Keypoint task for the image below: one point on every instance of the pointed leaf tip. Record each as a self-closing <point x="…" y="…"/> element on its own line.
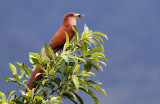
<point x="75" y="81"/>
<point x="99" y="33"/>
<point x="67" y="42"/>
<point x="49" y="50"/>
<point x="13" y="68"/>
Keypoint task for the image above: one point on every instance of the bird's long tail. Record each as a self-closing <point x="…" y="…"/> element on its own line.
<point x="31" y="85"/>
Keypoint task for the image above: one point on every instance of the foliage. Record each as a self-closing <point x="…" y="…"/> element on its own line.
<point x="69" y="71"/>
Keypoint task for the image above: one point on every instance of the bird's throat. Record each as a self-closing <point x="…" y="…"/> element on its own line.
<point x="72" y="22"/>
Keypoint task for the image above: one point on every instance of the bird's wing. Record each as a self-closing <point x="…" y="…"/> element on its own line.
<point x="59" y="38"/>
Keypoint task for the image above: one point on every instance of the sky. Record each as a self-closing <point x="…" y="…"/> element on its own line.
<point x="133" y="27"/>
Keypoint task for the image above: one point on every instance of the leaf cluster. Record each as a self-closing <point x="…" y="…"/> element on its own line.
<point x="67" y="72"/>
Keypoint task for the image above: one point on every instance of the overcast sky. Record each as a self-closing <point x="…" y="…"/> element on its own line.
<point x="133" y="26"/>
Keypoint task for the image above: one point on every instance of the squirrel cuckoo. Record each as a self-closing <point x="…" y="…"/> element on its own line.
<point x="57" y="42"/>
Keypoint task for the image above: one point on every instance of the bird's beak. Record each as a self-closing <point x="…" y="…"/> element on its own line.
<point x="79" y="15"/>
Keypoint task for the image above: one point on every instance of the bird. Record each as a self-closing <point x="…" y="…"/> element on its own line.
<point x="57" y="42"/>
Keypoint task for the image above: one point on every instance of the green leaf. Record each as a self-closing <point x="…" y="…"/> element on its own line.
<point x="82" y="73"/>
<point x="103" y="63"/>
<point x="56" y="99"/>
<point x="86" y="29"/>
<point x="93" y="96"/>
<point x="75" y="28"/>
<point x="13" y="68"/>
<point x="36" y="55"/>
<point x="38" y="74"/>
<point x="10" y="94"/>
<point x="99" y="33"/>
<point x="68" y="70"/>
<point x="36" y="62"/>
<point x="83" y="35"/>
<point x="76" y="68"/>
<point x="75" y="98"/>
<point x="10" y="102"/>
<point x="3" y="97"/>
<point x="70" y="97"/>
<point x="95" y="38"/>
<point x="96" y="54"/>
<point x="9" y="79"/>
<point x="32" y="92"/>
<point x="79" y="98"/>
<point x="43" y="52"/>
<point x="96" y="59"/>
<point x="95" y="49"/>
<point x="30" y="59"/>
<point x="68" y="52"/>
<point x="59" y="61"/>
<point x="27" y="89"/>
<point x="38" y="97"/>
<point x="91" y="40"/>
<point x="95" y="65"/>
<point x="89" y="34"/>
<point x="76" y="33"/>
<point x="62" y="69"/>
<point x="76" y="82"/>
<point x="71" y="56"/>
<point x="103" y="58"/>
<point x="99" y="38"/>
<point x="57" y="80"/>
<point x="98" y="88"/>
<point x="65" y="58"/>
<point x="17" y="77"/>
<point x="93" y="82"/>
<point x="22" y="73"/>
<point x="24" y="67"/>
<point x="23" y="93"/>
<point x="73" y="40"/>
<point x="81" y="59"/>
<point x="67" y="42"/>
<point x="49" y="50"/>
<point x="91" y="93"/>
<point x="84" y="49"/>
<point x="87" y="66"/>
<point x="44" y="81"/>
<point x="25" y="81"/>
<point x="83" y="82"/>
<point x="100" y="46"/>
<point x="51" y="72"/>
<point x="2" y="102"/>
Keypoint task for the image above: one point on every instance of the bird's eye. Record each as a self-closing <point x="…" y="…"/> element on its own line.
<point x="72" y="15"/>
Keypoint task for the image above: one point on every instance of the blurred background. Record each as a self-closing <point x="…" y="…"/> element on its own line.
<point x="133" y="26"/>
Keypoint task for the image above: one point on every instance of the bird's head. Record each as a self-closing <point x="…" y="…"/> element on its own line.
<point x="70" y="19"/>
